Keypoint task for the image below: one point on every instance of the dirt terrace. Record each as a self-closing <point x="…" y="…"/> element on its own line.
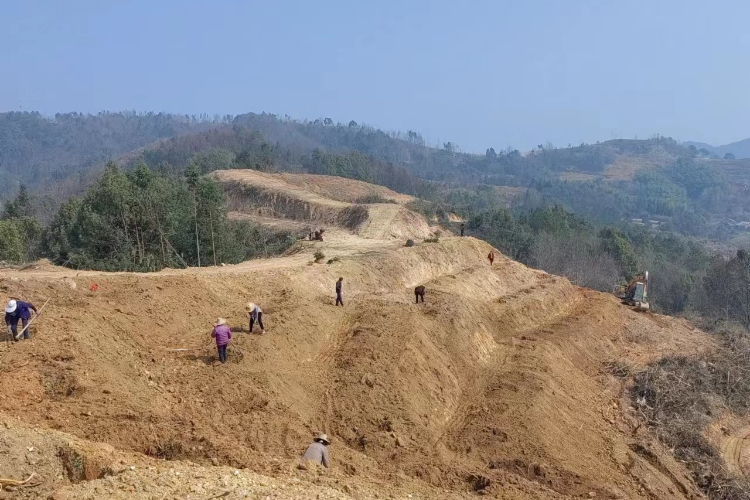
<point x="495" y="386"/>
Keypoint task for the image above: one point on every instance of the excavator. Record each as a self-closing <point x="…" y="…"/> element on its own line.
<point x="635" y="293"/>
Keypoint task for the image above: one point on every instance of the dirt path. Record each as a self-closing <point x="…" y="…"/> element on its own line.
<point x="337" y="243"/>
<point x="379" y="223"/>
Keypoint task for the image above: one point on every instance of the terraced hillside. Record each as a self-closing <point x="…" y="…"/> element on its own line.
<point x="495" y="385"/>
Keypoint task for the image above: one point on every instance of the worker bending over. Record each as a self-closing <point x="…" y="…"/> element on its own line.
<point x="18" y="310"/>
<point x="419" y="293"/>
<point x="255" y="314"/>
<point x="317" y="452"/>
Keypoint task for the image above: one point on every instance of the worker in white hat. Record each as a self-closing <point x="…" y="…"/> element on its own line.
<point x="255" y="314"/>
<point x="317" y="452"/>
<point x="16" y="310"/>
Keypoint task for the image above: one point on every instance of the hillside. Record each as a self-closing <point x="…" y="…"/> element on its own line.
<point x="611" y="181"/>
<point x="657" y="179"/>
<point x="42" y="152"/>
<point x="319" y="201"/>
<point x="496" y="385"/>
<point x="740" y="149"/>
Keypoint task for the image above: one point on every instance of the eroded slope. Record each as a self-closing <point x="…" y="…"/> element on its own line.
<point x="321" y="201"/>
<point x="495" y="384"/>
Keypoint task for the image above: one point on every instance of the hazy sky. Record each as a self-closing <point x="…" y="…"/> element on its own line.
<point x="478" y="73"/>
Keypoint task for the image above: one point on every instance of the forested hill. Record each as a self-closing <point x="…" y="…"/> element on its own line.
<point x="40" y="151"/>
<point x="654" y="179"/>
<point x="594" y="212"/>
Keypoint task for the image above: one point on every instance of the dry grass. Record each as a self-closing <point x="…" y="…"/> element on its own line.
<point x="679" y="396"/>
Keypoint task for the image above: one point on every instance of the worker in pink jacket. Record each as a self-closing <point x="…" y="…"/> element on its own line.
<point x="223" y="335"/>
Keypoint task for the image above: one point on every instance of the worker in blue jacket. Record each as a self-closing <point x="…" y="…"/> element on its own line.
<point x="18" y="310"/>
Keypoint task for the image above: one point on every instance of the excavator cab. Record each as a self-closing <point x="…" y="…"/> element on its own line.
<point x="636" y="292"/>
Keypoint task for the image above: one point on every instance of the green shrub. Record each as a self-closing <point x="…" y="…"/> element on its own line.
<point x="373" y="198"/>
<point x="319" y="256"/>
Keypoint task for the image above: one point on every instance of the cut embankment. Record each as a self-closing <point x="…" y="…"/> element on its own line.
<point x="256" y="200"/>
<point x="307" y="185"/>
<point x="279" y="196"/>
<point x="492" y="385"/>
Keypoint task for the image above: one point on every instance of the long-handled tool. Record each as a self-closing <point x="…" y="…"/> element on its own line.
<point x="39" y="313"/>
<point x="13" y="482"/>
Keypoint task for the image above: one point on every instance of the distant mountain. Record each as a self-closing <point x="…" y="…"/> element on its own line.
<point x="740" y="149"/>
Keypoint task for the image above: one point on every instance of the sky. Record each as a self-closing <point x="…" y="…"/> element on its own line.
<point x="477" y="73"/>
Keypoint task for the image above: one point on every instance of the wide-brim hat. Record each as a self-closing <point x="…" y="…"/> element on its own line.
<point x="220" y="321"/>
<point x="11" y="307"/>
<point x="250" y="306"/>
<point x="323" y="438"/>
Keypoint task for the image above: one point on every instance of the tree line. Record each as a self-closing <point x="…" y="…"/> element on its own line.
<point x="683" y="274"/>
<point x="240" y="147"/>
<point x="140" y="220"/>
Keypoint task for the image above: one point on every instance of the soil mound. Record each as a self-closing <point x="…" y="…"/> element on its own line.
<point x="497" y="384"/>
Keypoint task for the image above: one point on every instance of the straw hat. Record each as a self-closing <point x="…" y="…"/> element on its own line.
<point x="323" y="438"/>
<point x="220" y="321"/>
<point x="250" y="306"/>
<point x="11" y="307"/>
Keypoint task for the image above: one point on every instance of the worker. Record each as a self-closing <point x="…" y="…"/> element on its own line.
<point x="491" y="256"/>
<point x="463" y="226"/>
<point x="223" y="335"/>
<point x="419" y="292"/>
<point x="18" y="310"/>
<point x="338" y="292"/>
<point x="317" y="452"/>
<point x="255" y="314"/>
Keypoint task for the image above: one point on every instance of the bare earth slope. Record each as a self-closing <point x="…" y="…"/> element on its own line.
<point x="321" y="201"/>
<point x="494" y="385"/>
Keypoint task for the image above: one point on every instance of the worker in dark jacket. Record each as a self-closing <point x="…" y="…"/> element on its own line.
<point x="338" y="292"/>
<point x="317" y="452"/>
<point x="18" y="310"/>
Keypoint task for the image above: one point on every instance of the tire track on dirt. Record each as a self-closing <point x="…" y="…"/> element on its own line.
<point x="732" y="448"/>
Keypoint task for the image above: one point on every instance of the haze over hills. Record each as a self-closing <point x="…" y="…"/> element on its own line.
<point x="608" y="181"/>
<point x="740" y="149"/>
